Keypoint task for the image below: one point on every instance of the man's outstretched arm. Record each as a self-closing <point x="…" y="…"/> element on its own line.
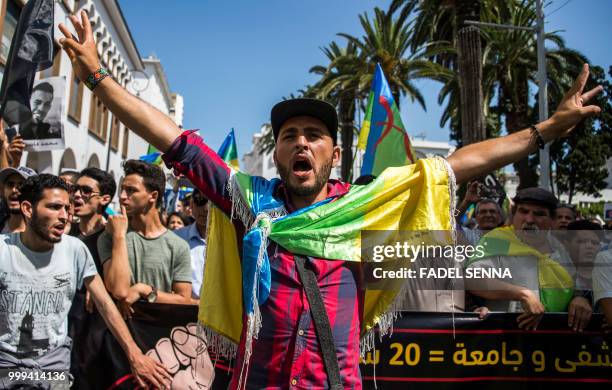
<point x="478" y="159"/>
<point x="145" y="120"/>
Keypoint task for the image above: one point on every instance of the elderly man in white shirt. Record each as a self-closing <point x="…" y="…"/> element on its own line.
<point x="195" y="235"/>
<point x="532" y="218"/>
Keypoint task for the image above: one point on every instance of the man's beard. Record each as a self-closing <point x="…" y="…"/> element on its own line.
<point x="40" y="229"/>
<point x="321" y="177"/>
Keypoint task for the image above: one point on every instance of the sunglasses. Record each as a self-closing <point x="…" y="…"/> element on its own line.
<point x="86" y="191"/>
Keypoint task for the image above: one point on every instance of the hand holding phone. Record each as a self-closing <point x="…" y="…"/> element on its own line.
<point x="11" y="132"/>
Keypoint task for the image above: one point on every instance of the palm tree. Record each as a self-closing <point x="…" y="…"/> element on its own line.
<point x="509" y="63"/>
<point x="341" y="84"/>
<point x="347" y="78"/>
<point x="510" y="59"/>
<point x="387" y="41"/>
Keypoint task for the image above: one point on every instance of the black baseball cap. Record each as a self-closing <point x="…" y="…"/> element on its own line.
<point x="319" y="109"/>
<point x="538" y="196"/>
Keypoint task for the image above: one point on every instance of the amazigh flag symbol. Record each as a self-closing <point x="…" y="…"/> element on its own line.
<point x="228" y="150"/>
<point x="383" y="136"/>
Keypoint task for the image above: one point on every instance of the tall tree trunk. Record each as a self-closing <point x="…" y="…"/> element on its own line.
<point x="516" y="108"/>
<point x="346" y="108"/>
<point x="395" y="91"/>
<point x="469" y="67"/>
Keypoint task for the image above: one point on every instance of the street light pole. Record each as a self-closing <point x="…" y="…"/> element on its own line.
<point x="544" y="181"/>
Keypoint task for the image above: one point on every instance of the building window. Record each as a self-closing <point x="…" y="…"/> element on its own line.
<point x="114" y="135"/>
<point x="76" y="99"/>
<point x="124" y="149"/>
<point x="98" y="118"/>
<point x="10" y="16"/>
<point x="53" y="70"/>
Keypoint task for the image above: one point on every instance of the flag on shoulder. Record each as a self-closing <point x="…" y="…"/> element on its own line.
<point x="383" y="136"/>
<point x="218" y="310"/>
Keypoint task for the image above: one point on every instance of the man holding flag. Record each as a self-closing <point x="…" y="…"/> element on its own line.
<point x="302" y="314"/>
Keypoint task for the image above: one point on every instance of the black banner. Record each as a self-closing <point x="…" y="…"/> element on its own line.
<point x="439" y="350"/>
<point x="426" y="350"/>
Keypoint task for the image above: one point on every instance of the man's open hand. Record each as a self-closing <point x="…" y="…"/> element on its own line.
<point x="81" y="49"/>
<point x="573" y="108"/>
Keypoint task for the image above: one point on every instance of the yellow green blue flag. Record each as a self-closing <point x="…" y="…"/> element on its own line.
<point x="222" y="268"/>
<point x="228" y="150"/>
<point x="383" y="136"/>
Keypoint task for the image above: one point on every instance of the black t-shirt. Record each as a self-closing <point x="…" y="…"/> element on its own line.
<point x="4" y="214"/>
<point x="91" y="242"/>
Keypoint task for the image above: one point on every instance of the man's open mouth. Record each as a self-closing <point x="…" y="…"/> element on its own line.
<point x="302" y="166"/>
<point x="58" y="229"/>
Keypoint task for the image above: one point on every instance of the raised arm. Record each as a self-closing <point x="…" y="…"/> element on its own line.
<point x="145" y="120"/>
<point x="478" y="159"/>
<point x="117" y="269"/>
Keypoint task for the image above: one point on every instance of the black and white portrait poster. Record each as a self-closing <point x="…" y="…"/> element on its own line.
<point x="44" y="130"/>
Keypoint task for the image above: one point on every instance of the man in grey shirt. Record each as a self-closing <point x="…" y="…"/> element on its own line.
<point x="141" y="258"/>
<point x="40" y="271"/>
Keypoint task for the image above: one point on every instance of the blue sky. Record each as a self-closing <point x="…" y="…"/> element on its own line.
<point x="232" y="61"/>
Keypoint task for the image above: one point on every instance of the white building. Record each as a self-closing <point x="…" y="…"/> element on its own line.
<point x="512" y="182"/>
<point x="93" y="136"/>
<point x="255" y="163"/>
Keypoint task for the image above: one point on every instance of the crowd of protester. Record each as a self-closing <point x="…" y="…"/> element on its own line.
<point x="140" y="251"/>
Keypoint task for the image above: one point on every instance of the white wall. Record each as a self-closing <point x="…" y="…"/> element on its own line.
<point x="84" y="148"/>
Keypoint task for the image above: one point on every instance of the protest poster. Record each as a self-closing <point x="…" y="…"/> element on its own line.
<point x="426" y="350"/>
<point x="45" y="130"/>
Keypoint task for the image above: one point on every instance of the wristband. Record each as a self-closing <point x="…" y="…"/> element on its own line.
<point x="538" y="137"/>
<point x="95" y="78"/>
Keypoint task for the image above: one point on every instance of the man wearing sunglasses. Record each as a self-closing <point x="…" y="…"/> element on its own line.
<point x="93" y="192"/>
<point x="195" y="235"/>
<point x="10" y="181"/>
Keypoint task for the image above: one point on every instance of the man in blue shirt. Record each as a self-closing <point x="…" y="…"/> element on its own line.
<point x="195" y="235"/>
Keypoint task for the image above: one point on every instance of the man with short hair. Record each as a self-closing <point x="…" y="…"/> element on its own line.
<point x="141" y="258"/>
<point x="526" y="248"/>
<point x="93" y="192"/>
<point x="195" y="235"/>
<point x="40" y="103"/>
<point x="564" y="215"/>
<point x="41" y="270"/>
<point x="10" y="181"/>
<point x="583" y="244"/>
<point x="69" y="176"/>
<point x="488" y="215"/>
<point x="287" y="351"/>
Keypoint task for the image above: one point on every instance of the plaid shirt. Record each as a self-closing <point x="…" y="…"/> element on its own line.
<point x="286" y="354"/>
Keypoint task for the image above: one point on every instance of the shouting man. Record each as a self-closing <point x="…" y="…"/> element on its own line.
<point x="288" y="351"/>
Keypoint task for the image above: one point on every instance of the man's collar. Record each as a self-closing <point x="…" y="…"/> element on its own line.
<point x="194" y="232"/>
<point x="335" y="188"/>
